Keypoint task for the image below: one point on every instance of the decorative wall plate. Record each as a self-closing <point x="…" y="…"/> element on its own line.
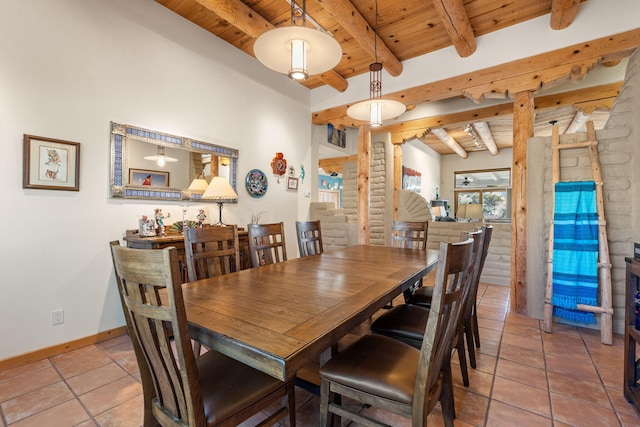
<point x="256" y="183"/>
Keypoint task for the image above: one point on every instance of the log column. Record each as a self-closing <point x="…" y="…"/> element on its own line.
<point x="523" y="119"/>
<point x="397" y="177"/>
<point x="364" y="162"/>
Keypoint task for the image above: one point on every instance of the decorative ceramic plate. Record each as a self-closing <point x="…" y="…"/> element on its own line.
<point x="256" y="183"/>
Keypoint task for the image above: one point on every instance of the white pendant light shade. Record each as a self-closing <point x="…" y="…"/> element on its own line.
<point x="160" y="158"/>
<point x="279" y="49"/>
<point x="388" y="109"/>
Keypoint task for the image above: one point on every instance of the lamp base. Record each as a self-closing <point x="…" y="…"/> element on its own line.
<point x="219" y="223"/>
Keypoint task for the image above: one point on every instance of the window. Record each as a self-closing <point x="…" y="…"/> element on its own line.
<point x="489" y="188"/>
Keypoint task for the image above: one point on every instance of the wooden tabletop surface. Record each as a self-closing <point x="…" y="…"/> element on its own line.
<point x="278" y="317"/>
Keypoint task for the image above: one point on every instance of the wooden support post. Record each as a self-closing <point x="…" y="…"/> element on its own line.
<point x="523" y="113"/>
<point x="364" y="162"/>
<point x="397" y="177"/>
<point x="555" y="177"/>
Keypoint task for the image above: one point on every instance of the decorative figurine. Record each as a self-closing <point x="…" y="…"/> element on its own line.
<point x="201" y="217"/>
<point x="160" y="220"/>
<point x="302" y="173"/>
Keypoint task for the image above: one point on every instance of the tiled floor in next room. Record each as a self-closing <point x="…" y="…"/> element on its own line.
<point x="524" y="377"/>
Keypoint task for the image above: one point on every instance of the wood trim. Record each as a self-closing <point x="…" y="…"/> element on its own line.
<point x="523" y="114"/>
<point x="45" y="353"/>
<point x="397" y="177"/>
<point x="539" y="66"/>
<point x="336" y="164"/>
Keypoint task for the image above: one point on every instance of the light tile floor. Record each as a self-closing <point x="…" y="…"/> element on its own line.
<point x="524" y="377"/>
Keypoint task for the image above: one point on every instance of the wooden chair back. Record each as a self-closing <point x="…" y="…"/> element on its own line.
<point x="444" y="316"/>
<point x="143" y="276"/>
<point x="266" y="243"/>
<point x="409" y="234"/>
<point x="211" y="251"/>
<point x="309" y="238"/>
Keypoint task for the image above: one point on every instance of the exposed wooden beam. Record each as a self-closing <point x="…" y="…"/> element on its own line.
<point x="484" y="132"/>
<point x="250" y="22"/>
<point x="456" y="23"/>
<point x="579" y="119"/>
<point x="601" y="96"/>
<point x="523" y="114"/>
<point x="563" y="13"/>
<point x="444" y="136"/>
<point x="604" y="49"/>
<point x="354" y="23"/>
<point x="336" y="164"/>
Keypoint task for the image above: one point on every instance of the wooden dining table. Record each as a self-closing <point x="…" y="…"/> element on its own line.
<point x="278" y="317"/>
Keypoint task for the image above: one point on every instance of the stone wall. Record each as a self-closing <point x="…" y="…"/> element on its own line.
<point x="337" y="229"/>
<point x="377" y="194"/>
<point x="619" y="152"/>
<point x="497" y="267"/>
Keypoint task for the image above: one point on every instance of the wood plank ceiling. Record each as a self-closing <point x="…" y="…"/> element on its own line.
<point x="410" y="28"/>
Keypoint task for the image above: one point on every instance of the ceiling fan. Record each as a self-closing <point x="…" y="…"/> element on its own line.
<point x="466" y="181"/>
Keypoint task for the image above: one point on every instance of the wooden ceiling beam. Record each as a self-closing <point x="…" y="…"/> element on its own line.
<point x="247" y="20"/>
<point x="601" y="96"/>
<point x="603" y="49"/>
<point x="354" y="23"/>
<point x="336" y="164"/>
<point x="456" y="23"/>
<point x="563" y="13"/>
<point x="487" y="138"/>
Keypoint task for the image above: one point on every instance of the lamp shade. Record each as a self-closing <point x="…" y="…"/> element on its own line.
<point x="198" y="186"/>
<point x="474" y="211"/>
<point x="387" y="108"/>
<point x="161" y="158"/>
<point x="219" y="189"/>
<point x="319" y="51"/>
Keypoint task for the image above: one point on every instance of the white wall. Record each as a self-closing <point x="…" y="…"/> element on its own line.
<point x="477" y="160"/>
<point x="68" y="68"/>
<point x="418" y="156"/>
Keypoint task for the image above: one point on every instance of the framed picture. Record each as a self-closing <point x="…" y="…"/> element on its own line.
<point x="292" y="183"/>
<point x="50" y="164"/>
<point x="150" y="178"/>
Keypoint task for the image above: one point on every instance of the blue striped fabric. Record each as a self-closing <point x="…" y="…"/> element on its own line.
<point x="575" y="250"/>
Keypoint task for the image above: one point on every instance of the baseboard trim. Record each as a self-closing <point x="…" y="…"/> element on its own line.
<point x="45" y="353"/>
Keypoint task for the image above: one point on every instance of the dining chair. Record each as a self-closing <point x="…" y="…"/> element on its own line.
<point x="178" y="389"/>
<point x="407" y="322"/>
<point x="383" y="372"/>
<point x="422" y="296"/>
<point x="209" y="252"/>
<point x="266" y="243"/>
<point x="309" y="238"/>
<point x="410" y="235"/>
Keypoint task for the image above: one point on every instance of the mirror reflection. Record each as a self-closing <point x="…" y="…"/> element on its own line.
<point x="146" y="164"/>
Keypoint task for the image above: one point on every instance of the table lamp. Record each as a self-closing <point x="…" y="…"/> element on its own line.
<point x="220" y="191"/>
<point x="474" y="211"/>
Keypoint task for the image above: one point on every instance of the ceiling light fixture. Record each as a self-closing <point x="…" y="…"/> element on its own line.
<point x="160" y="158"/>
<point x="376" y="109"/>
<point x="297" y="50"/>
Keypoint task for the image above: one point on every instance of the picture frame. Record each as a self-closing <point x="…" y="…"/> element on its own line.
<point x="50" y="164"/>
<point x="148" y="178"/>
<point x="292" y="183"/>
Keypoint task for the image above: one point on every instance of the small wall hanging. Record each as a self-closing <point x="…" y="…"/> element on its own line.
<point x="279" y="166"/>
<point x="256" y="183"/>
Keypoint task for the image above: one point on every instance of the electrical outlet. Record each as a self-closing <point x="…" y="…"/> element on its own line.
<point x="57" y="317"/>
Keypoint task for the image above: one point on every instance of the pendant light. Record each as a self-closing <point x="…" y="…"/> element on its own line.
<point x="297" y="50"/>
<point x="161" y="158"/>
<point x="376" y="109"/>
